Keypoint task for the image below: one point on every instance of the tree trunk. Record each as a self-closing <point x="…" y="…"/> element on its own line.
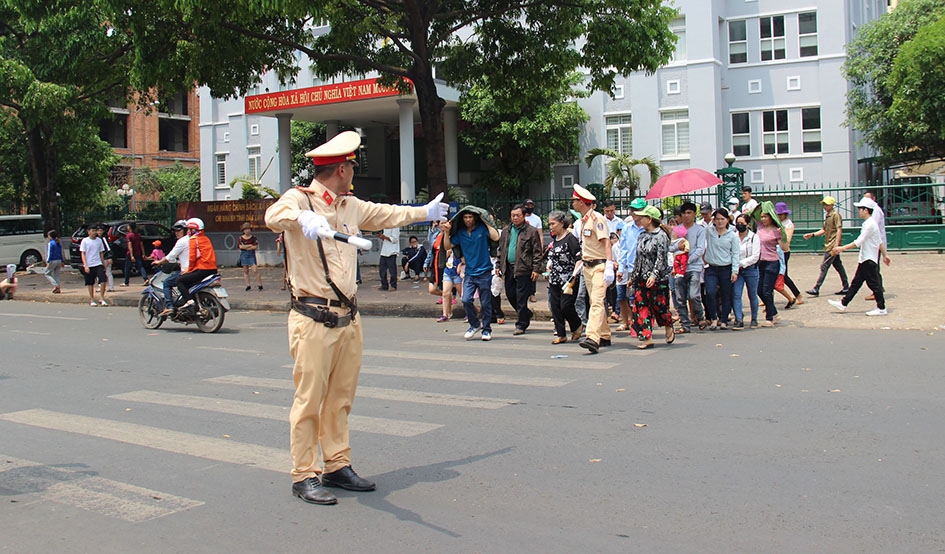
<point x="431" y="120"/>
<point x="42" y="160"/>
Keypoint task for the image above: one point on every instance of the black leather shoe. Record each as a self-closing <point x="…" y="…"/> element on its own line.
<point x="346" y="478"/>
<point x="604" y="342"/>
<point x="842" y="292"/>
<point x="813" y="292"/>
<point x="590" y="345"/>
<point x="311" y="491"/>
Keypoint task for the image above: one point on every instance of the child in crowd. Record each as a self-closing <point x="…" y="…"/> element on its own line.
<point x="452" y="277"/>
<point x="157" y="254"/>
<point x="681" y="259"/>
<point x="779" y="283"/>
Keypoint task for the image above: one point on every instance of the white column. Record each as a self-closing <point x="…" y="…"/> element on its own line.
<point x="285" y="151"/>
<point x="407" y="175"/>
<point x="450" y="145"/>
<point x="331" y="129"/>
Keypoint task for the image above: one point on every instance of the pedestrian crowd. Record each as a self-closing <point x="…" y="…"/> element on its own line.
<point x="679" y="272"/>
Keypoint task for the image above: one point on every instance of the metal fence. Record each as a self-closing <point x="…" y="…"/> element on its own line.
<point x="161" y="212"/>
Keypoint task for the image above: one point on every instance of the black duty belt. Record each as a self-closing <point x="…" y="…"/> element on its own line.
<point x="319" y="301"/>
<point x="317" y="308"/>
<point x="592" y="263"/>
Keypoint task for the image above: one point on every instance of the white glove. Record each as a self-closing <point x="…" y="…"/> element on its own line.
<point x="608" y="274"/>
<point x="437" y="210"/>
<point x="311" y="222"/>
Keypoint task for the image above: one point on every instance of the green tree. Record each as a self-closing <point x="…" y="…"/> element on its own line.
<point x="918" y="79"/>
<point x="15" y="189"/>
<point x="176" y="183"/>
<point x="305" y="136"/>
<point x="524" y="132"/>
<point x="179" y="42"/>
<point x="623" y="170"/>
<point x="59" y="62"/>
<point x="869" y="66"/>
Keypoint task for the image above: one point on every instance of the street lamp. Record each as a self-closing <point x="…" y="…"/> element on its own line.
<point x="732" y="180"/>
<point x="126" y="192"/>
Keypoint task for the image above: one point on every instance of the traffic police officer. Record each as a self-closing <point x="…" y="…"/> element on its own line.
<point x="598" y="267"/>
<point x="325" y="336"/>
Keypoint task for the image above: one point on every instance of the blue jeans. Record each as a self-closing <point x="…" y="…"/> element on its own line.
<point x="482" y="283"/>
<point x="169" y="284"/>
<point x="747" y="276"/>
<point x="139" y="263"/>
<point x="718" y="292"/>
<point x="689" y="288"/>
<point x="768" y="274"/>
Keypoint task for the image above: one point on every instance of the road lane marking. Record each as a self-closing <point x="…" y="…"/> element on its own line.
<point x="382" y="426"/>
<point x="46" y="316"/>
<point x="488" y="378"/>
<point x="210" y="448"/>
<point x="94" y="494"/>
<point x="230" y="350"/>
<point x="397" y="395"/>
<point x="490" y="359"/>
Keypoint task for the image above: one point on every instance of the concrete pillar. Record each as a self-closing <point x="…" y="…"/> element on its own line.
<point x="408" y="189"/>
<point x="450" y="145"/>
<point x="285" y="151"/>
<point x="331" y="129"/>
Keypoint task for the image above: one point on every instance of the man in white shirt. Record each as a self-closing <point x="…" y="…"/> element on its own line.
<point x="871" y="247"/>
<point x="880" y="219"/>
<point x="93" y="267"/>
<point x="180" y="253"/>
<point x="390" y="247"/>
<point x="750" y="203"/>
<point x="614" y="223"/>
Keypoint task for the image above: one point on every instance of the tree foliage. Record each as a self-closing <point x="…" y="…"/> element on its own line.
<point x="623" y="171"/>
<point x="523" y="133"/>
<point x="869" y="66"/>
<point x="305" y="136"/>
<point x="918" y="79"/>
<point x="179" y="42"/>
<point x="59" y="62"/>
<point x="176" y="183"/>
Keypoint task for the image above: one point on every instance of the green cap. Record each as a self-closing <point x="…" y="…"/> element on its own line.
<point x="650" y="211"/>
<point x="638" y="203"/>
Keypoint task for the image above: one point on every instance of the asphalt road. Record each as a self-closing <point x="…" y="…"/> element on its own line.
<point x="116" y="439"/>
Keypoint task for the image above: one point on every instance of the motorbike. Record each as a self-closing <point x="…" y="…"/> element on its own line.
<point x="209" y="306"/>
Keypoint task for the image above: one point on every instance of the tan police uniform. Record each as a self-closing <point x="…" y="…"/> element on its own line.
<point x="327" y="360"/>
<point x="593" y="229"/>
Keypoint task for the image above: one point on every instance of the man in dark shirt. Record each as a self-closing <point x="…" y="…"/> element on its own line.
<point x="519" y="263"/>
<point x="134" y="254"/>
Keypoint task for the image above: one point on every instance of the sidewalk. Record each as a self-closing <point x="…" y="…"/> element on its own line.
<point x="911" y="283"/>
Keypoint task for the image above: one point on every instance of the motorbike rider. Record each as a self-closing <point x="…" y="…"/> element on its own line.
<point x="180" y="253"/>
<point x="202" y="263"/>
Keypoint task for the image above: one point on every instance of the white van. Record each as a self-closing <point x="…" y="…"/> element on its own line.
<point x="22" y="241"/>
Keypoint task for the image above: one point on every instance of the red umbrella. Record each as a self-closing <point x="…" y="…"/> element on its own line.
<point x="681" y="182"/>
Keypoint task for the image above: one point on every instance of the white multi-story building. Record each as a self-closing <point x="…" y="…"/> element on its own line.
<point x="759" y="78"/>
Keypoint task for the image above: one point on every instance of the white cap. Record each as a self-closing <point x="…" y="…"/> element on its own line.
<point x="339" y="149"/>
<point x="866" y="203"/>
<point x="733" y="201"/>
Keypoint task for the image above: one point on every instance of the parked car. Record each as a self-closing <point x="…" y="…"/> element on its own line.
<point x="22" y="241"/>
<point x="115" y="232"/>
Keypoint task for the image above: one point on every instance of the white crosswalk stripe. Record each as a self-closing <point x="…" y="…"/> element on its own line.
<point x="211" y="448"/>
<point x="512" y="360"/>
<point x="465" y="376"/>
<point x="384" y="426"/>
<point x="94" y="494"/>
<point x="398" y="395"/>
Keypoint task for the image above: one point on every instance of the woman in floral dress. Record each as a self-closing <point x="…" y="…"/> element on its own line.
<point x="650" y="278"/>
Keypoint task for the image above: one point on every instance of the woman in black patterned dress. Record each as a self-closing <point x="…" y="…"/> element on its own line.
<point x="563" y="254"/>
<point x="650" y="278"/>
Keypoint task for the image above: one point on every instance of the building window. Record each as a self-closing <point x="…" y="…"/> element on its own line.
<point x="741" y="134"/>
<point x="221" y="170"/>
<point x="619" y="133"/>
<point x="796" y="174"/>
<point x="226" y="137"/>
<point x="675" y="131"/>
<point x="114" y="130"/>
<point x="794" y="82"/>
<point x="567" y="181"/>
<point x="737" y="42"/>
<point x="757" y="176"/>
<point x="754" y="86"/>
<point x="810" y="129"/>
<point x="772" y="38"/>
<point x="176" y="104"/>
<point x="775" y="132"/>
<point x="255" y="163"/>
<point x="672" y="87"/>
<point x="618" y="92"/>
<point x="174" y="135"/>
<point x="254" y="130"/>
<point x="807" y="33"/>
<point x="678" y="27"/>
